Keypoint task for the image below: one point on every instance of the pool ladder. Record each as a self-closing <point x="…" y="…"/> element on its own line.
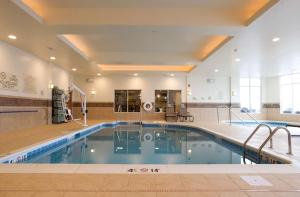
<point x="269" y="138"/>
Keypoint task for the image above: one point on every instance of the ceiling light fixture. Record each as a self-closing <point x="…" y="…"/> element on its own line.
<point x="99" y="74"/>
<point x="52" y="58"/>
<point x="237" y="59"/>
<point x="172" y="75"/>
<point x="275" y="39"/>
<point x="12" y="37"/>
<point x="135" y="74"/>
<point x="74" y="69"/>
<point x="216" y="70"/>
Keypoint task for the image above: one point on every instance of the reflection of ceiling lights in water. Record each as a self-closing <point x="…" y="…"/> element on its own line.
<point x="156" y="148"/>
<point x="92" y="150"/>
<point x="119" y="148"/>
<point x="189" y="150"/>
<point x="158" y="134"/>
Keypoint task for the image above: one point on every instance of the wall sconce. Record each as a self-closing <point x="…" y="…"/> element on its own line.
<point x="51" y="86"/>
<point x="233" y="93"/>
<point x="189" y="90"/>
<point x="93" y="92"/>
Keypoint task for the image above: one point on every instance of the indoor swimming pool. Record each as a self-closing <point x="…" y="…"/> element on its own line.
<point x="123" y="143"/>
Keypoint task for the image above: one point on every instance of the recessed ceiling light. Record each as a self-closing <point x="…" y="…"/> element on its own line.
<point x="237" y="59"/>
<point x="52" y="58"/>
<point x="98" y="74"/>
<point x="172" y="75"/>
<point x="216" y="70"/>
<point x="275" y="39"/>
<point x="74" y="69"/>
<point x="12" y="37"/>
<point x="135" y="74"/>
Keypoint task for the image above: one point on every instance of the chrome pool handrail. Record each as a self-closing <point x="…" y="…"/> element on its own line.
<point x="270" y="137"/>
<point x="230" y="110"/>
<point x="252" y="118"/>
<point x="254" y="131"/>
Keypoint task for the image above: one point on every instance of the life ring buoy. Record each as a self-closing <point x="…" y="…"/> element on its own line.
<point x="148" y="106"/>
<point x="148" y="137"/>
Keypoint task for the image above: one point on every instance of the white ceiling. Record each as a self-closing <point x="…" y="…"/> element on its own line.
<point x="137" y="37"/>
<point x="259" y="55"/>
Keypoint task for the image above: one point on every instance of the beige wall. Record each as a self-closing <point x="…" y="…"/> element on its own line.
<point x="105" y="86"/>
<point x="34" y="76"/>
<point x="21" y="120"/>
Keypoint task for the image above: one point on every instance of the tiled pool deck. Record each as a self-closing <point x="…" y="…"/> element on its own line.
<point x="171" y="180"/>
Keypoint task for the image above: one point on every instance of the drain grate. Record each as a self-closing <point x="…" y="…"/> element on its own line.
<point x="256" y="181"/>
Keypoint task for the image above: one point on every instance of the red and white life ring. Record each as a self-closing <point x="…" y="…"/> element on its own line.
<point x="148" y="106"/>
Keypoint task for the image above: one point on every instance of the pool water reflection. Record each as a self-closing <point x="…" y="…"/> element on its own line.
<point x="128" y="145"/>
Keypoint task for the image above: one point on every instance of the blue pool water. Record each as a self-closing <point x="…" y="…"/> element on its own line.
<point x="147" y="145"/>
<point x="253" y="123"/>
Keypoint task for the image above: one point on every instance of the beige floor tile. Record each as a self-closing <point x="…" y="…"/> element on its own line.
<point x="9" y="181"/>
<point x="88" y="182"/>
<point x="111" y="194"/>
<point x="273" y="194"/>
<point x="16" y="194"/>
<point x="34" y="182"/>
<point x="232" y="194"/>
<point x="288" y="194"/>
<point x="80" y="194"/>
<point x="48" y="194"/>
<point x="292" y="180"/>
<point x="61" y="182"/>
<point x="217" y="194"/>
<point x="171" y="194"/>
<point x="169" y="183"/>
<point x="202" y="194"/>
<point x="116" y="183"/>
<point x="142" y="183"/>
<point x="208" y="182"/>
<point x="140" y="194"/>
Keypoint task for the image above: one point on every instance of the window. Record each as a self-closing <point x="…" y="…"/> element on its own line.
<point x="161" y="100"/>
<point x="250" y="94"/>
<point x="127" y="100"/>
<point x="290" y="94"/>
<point x="164" y="98"/>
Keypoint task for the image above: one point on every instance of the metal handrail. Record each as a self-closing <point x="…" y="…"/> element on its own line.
<point x="141" y="114"/>
<point x="252" y="118"/>
<point x="254" y="131"/>
<point x="229" y="108"/>
<point x="270" y="137"/>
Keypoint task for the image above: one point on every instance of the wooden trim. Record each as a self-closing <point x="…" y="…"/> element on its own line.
<point x="95" y="104"/>
<point x="211" y="105"/>
<point x="271" y="105"/>
<point x="18" y="111"/>
<point x="24" y="102"/>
